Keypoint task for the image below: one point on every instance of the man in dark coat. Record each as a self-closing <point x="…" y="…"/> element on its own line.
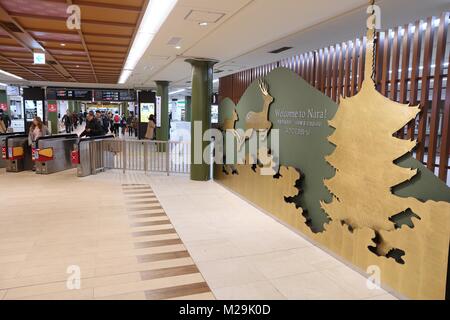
<point x="93" y="127"/>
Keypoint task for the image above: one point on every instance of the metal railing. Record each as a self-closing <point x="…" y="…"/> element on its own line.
<point x="147" y="156"/>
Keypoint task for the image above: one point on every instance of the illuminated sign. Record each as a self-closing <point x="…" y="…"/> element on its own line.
<point x="39" y="58"/>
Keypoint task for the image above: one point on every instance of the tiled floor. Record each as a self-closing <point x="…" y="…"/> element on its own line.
<point x="48" y="223"/>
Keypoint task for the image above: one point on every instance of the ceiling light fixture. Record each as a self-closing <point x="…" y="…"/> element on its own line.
<point x="178" y="47"/>
<point x="155" y="15"/>
<point x="177" y="91"/>
<point x="63" y="44"/>
<point x="203" y="24"/>
<point x="10" y="75"/>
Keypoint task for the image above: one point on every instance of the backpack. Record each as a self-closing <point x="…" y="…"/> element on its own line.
<point x="116" y="119"/>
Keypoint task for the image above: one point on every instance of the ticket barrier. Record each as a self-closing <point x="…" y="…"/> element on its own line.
<point x="18" y="153"/>
<point x="90" y="155"/>
<point x="3" y="149"/>
<point x="53" y="153"/>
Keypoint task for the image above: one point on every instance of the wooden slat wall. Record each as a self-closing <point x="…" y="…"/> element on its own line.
<point x="411" y="67"/>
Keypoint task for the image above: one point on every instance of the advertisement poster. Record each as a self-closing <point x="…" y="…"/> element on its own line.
<point x="158" y="112"/>
<point x="52" y="107"/>
<point x="4" y="107"/>
<point x="34" y="109"/>
<point x="147" y="109"/>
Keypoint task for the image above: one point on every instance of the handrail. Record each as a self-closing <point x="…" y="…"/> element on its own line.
<point x="58" y="136"/>
<point x="11" y="133"/>
<point x="95" y="138"/>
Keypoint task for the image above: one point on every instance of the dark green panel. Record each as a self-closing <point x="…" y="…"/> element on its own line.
<point x="296" y="101"/>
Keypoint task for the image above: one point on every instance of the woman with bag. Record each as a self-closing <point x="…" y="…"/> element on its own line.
<point x="150" y="134"/>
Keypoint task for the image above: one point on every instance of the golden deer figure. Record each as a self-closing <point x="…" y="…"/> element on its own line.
<point x="260" y="120"/>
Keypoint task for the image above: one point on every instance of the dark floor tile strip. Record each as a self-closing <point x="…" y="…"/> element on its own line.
<point x="179" y="291"/>
<point x="153" y="233"/>
<point x="145" y="208"/>
<point x="149" y="223"/>
<point x="163" y="256"/>
<point x="157" y="243"/>
<point x="136" y="203"/>
<point x="147" y="215"/>
<point x="168" y="272"/>
<point x="148" y="197"/>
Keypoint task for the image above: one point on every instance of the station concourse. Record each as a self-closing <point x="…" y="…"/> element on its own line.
<point x="243" y="150"/>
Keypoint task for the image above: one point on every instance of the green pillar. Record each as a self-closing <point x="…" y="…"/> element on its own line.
<point x="4" y="101"/>
<point x="188" y="108"/>
<point x="202" y="83"/>
<point x="71" y="106"/>
<point x="52" y="115"/>
<point x="162" y="90"/>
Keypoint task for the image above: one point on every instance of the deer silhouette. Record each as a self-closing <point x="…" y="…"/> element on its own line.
<point x="259" y="120"/>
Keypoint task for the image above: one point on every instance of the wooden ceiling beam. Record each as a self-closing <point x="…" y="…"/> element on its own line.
<point x="70" y="2"/>
<point x="21" y="66"/>
<point x="28" y="42"/>
<point x="64" y="19"/>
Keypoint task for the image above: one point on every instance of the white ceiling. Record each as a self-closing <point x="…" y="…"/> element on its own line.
<point x="252" y="28"/>
<point x="248" y="29"/>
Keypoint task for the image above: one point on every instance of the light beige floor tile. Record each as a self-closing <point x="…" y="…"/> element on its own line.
<point x="147" y="285"/>
<point x="2" y="294"/>
<point x="201" y="296"/>
<point x="127" y="296"/>
<point x="310" y="286"/>
<point x="352" y="282"/>
<point x="263" y="290"/>
<point x="228" y="273"/>
<point x="86" y="294"/>
<point x="384" y="297"/>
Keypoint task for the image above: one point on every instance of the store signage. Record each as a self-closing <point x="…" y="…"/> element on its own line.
<point x="158" y="111"/>
<point x="52" y="107"/>
<point x="75" y="157"/>
<point x="4" y="107"/>
<point x="4" y="153"/>
<point x="39" y="58"/>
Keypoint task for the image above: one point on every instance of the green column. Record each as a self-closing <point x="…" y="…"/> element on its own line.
<point x="202" y="83"/>
<point x="71" y="106"/>
<point x="52" y="117"/>
<point x="162" y="90"/>
<point x="4" y="100"/>
<point x="188" y="108"/>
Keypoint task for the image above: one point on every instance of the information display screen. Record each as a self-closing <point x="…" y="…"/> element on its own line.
<point x="147" y="109"/>
<point x="71" y="94"/>
<point x="13" y="91"/>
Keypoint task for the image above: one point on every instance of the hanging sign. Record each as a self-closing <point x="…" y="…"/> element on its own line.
<point x="158" y="112"/>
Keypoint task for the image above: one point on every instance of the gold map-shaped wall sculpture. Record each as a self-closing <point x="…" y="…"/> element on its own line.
<point x="360" y="230"/>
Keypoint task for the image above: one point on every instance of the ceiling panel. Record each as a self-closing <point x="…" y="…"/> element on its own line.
<point x="96" y="52"/>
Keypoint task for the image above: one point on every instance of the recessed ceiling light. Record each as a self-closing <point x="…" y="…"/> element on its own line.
<point x="63" y="44"/>
<point x="203" y="24"/>
<point x="178" y="47"/>
<point x="78" y="66"/>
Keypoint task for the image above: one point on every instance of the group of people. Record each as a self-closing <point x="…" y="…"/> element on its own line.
<point x="5" y="122"/>
<point x="71" y="120"/>
<point x="101" y="123"/>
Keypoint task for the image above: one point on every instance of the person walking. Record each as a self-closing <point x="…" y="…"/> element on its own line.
<point x="123" y="123"/>
<point x="93" y="126"/>
<point x="6" y="119"/>
<point x="150" y="134"/>
<point x="130" y="124"/>
<point x="2" y="124"/>
<point x="67" y="120"/>
<point x="116" y="121"/>
<point x="37" y="130"/>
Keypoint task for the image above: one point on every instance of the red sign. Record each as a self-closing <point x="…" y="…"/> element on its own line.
<point x="4" y="153"/>
<point x="75" y="156"/>
<point x="4" y="106"/>
<point x="52" y="107"/>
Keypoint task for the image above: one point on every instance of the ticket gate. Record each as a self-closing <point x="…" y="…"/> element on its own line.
<point x="90" y="155"/>
<point x="53" y="153"/>
<point x="18" y="153"/>
<point x="3" y="149"/>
